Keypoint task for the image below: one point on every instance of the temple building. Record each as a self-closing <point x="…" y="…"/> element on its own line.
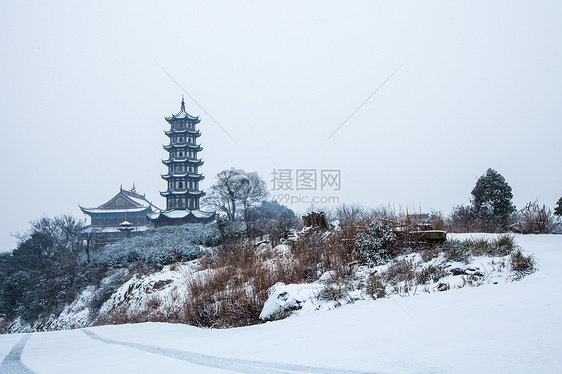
<point x="183" y="177"/>
<point x="124" y="215"/>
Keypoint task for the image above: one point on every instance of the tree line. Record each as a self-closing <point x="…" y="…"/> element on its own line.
<point x="491" y="209"/>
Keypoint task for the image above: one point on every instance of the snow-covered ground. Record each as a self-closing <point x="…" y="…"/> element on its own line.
<point x="508" y="327"/>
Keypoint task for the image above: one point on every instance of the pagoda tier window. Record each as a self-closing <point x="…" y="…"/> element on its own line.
<point x="180" y="202"/>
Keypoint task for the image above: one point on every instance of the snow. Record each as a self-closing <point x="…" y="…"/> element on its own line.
<point x="288" y="297"/>
<point x="141" y="201"/>
<point x="501" y="327"/>
<point x="159" y="293"/>
<point x="107" y="229"/>
<point x="201" y="214"/>
<point x="111" y="210"/>
<point x="176" y="214"/>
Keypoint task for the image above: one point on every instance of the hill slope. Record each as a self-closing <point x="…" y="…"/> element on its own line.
<point x="511" y="327"/>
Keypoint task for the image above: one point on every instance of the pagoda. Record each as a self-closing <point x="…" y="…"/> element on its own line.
<point x="183" y="177"/>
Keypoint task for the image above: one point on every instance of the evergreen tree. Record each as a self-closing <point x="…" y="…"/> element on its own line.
<point x="558" y="208"/>
<point x="491" y="201"/>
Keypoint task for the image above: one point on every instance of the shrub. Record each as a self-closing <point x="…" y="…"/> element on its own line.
<point x="430" y="253"/>
<point x="437" y="221"/>
<point x="271" y="219"/>
<point x="534" y="219"/>
<point x="503" y="245"/>
<point x="106" y="289"/>
<point x="480" y="246"/>
<point x="400" y="271"/>
<point x="160" y="246"/>
<point x="431" y="273"/>
<point x="336" y="288"/>
<point x="462" y="219"/>
<point x="372" y="246"/>
<point x="521" y="265"/>
<point x="456" y="250"/>
<point x="375" y="286"/>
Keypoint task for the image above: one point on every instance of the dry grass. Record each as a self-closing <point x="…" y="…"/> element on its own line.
<point x="521" y="265"/>
<point x="236" y="286"/>
<point x="233" y="281"/>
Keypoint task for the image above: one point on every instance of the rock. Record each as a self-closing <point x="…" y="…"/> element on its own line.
<point x="457" y="271"/>
<point x="467" y="270"/>
<point x="282" y="300"/>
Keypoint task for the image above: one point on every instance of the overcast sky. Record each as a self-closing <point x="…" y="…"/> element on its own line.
<point x="83" y="97"/>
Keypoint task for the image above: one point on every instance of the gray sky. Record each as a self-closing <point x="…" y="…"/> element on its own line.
<point x="82" y="98"/>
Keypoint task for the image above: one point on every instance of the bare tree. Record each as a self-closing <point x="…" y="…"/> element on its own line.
<point x="236" y="190"/>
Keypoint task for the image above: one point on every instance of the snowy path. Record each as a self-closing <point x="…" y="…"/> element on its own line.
<point x="12" y="363"/>
<point x="235" y="365"/>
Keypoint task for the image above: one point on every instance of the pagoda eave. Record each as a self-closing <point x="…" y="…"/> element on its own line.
<point x="182" y="116"/>
<point x="191" y="161"/>
<point x="191" y="146"/>
<point x="190" y="132"/>
<point x="193" y="176"/>
<point x="191" y="193"/>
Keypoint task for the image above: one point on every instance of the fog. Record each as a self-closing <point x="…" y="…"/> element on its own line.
<point x="426" y="96"/>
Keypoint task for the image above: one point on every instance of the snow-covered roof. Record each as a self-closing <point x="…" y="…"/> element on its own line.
<point x="105" y="210"/>
<point x="201" y="213"/>
<point x="181" y="214"/>
<point x="124" y="201"/>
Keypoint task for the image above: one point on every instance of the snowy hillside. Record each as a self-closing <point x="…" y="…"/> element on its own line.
<point x="500" y="327"/>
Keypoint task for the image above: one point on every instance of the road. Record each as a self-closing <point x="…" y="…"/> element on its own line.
<point x="192" y="362"/>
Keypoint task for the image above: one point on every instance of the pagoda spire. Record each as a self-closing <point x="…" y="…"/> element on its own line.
<point x="182" y="104"/>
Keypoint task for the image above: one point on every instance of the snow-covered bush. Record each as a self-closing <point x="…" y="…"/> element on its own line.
<point x="375" y="286"/>
<point x="372" y="246"/>
<point x="521" y="265"/>
<point x="400" y="270"/>
<point x="503" y="245"/>
<point x="160" y="246"/>
<point x="336" y="288"/>
<point x="456" y="250"/>
<point x="430" y="273"/>
<point x="230" y="231"/>
<point x="111" y="283"/>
